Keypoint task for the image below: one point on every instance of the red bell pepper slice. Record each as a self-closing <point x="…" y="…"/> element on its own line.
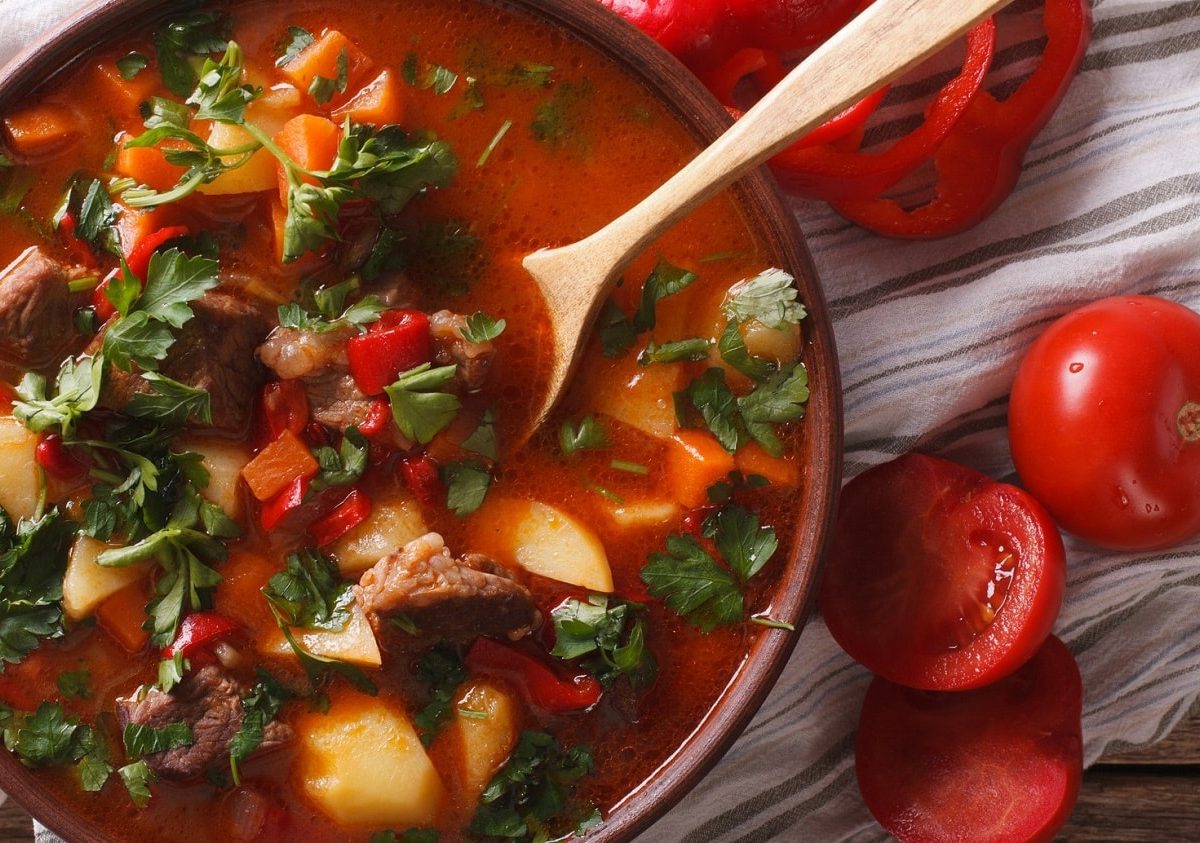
<point x="100" y="303"/>
<point x="420" y="475"/>
<point x="53" y="455"/>
<point x="287" y="501"/>
<point x="285" y="407"/>
<point x="139" y="256"/>
<point x="345" y="517"/>
<point x="980" y="161"/>
<point x="543" y="687"/>
<point x="377" y="418"/>
<point x="198" y="630"/>
<point x="80" y="252"/>
<point x="399" y="341"/>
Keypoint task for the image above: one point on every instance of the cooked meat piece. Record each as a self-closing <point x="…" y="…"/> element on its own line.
<point x="214" y="351"/>
<point x="37" y="329"/>
<point x="446" y="598"/>
<point x="474" y="359"/>
<point x="210" y="702"/>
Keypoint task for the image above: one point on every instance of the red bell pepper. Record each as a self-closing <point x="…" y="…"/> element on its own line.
<point x="284" y="407"/>
<point x="345" y="517"/>
<point x="789" y="24"/>
<point x="399" y="341"/>
<point x="377" y="418"/>
<point x="198" y="630"/>
<point x="80" y="252"/>
<point x="420" y="475"/>
<point x="53" y="455"/>
<point x="543" y="687"/>
<point x="284" y="503"/>
<point x="139" y="256"/>
<point x="980" y="161"/>
<point x="100" y="303"/>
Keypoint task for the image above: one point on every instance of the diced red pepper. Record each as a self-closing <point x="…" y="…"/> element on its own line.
<point x="139" y="256"/>
<point x="100" y="303"/>
<point x="197" y="631"/>
<point x="80" y="251"/>
<point x="399" y="341"/>
<point x="420" y="475"/>
<point x="287" y="501"/>
<point x="378" y="418"/>
<point x="53" y="455"/>
<point x="543" y="687"/>
<point x="345" y="517"/>
<point x="318" y="434"/>
<point x="285" y="407"/>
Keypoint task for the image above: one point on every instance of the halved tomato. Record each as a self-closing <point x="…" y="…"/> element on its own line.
<point x="1001" y="763"/>
<point x="939" y="577"/>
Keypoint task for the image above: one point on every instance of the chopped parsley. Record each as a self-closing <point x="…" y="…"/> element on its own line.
<point x="322" y="89"/>
<point x="132" y="64"/>
<point x="467" y="483"/>
<point x="493" y="143"/>
<point x="611" y="633"/>
<point x="674" y="351"/>
<point x="199" y="34"/>
<point x="49" y="737"/>
<point x="343" y="466"/>
<point x="482" y="328"/>
<point x="297" y="41"/>
<point x="33" y="561"/>
<point x="419" y="406"/>
<point x="141" y="740"/>
<point x="770" y="298"/>
<point x="259" y="708"/>
<point x="588" y="434"/>
<point x="442" y="670"/>
<point x="137" y="778"/>
<point x="74" y="684"/>
<point x="482" y="440"/>
<point x="734" y="421"/>
<point x="76" y="393"/>
<point x="618" y="332"/>
<point x="439" y="79"/>
<point x="310" y="592"/>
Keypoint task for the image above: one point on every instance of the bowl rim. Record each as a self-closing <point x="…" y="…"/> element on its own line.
<point x="664" y="77"/>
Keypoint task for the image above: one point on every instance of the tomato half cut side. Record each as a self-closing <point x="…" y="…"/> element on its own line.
<point x="939" y="577"/>
<point x="1001" y="763"/>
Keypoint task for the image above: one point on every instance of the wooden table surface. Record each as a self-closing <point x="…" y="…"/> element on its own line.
<point x="1150" y="794"/>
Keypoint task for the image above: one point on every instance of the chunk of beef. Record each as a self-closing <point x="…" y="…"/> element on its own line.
<point x="209" y="701"/>
<point x="214" y="351"/>
<point x="474" y="359"/>
<point x="37" y="326"/>
<point x="444" y="597"/>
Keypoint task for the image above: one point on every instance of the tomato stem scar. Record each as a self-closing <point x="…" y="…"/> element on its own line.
<point x="1188" y="421"/>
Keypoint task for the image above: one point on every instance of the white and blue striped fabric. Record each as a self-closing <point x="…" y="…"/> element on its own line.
<point x="930" y="335"/>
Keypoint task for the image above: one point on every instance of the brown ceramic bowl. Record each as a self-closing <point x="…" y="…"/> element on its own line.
<point x="760" y="199"/>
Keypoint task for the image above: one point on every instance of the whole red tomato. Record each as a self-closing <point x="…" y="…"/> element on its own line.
<point x="685" y="28"/>
<point x="1104" y="422"/>
<point x="789" y="24"/>
<point x="1001" y="763"/>
<point x="938" y="577"/>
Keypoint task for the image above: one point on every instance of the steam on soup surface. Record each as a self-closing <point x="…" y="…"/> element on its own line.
<point x="277" y="563"/>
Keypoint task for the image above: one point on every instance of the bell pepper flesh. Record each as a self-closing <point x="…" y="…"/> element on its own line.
<point x="543" y="687"/>
<point x="399" y="341"/>
<point x="345" y="517"/>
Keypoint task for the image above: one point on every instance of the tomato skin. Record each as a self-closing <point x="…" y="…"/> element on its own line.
<point x="1001" y="763"/>
<point x="1094" y="422"/>
<point x="938" y="577"/>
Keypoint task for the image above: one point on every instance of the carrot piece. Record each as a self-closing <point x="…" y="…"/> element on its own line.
<point x="752" y="459"/>
<point x="320" y="58"/>
<point x="135" y="225"/>
<point x="695" y="461"/>
<point x="378" y="103"/>
<point x="309" y="140"/>
<point x="239" y="596"/>
<point x="147" y="165"/>
<point x="42" y="130"/>
<point x="279" y="464"/>
<point x="126" y="94"/>
<point x="123" y="614"/>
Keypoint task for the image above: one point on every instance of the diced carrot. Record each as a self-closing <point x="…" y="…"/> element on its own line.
<point x="123" y="614"/>
<point x="279" y="464"/>
<point x="378" y="103"/>
<point x="239" y="596"/>
<point x="696" y="461"/>
<point x="147" y="165"/>
<point x="126" y="94"/>
<point x="320" y="58"/>
<point x="41" y="131"/>
<point x="309" y="140"/>
<point x="752" y="459"/>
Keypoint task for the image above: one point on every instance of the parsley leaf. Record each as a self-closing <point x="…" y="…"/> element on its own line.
<point x="693" y="584"/>
<point x="322" y="89"/>
<point x="589" y="434"/>
<point x="171" y="402"/>
<point x="710" y="395"/>
<point x="298" y="39"/>
<point x="310" y="593"/>
<point x="743" y="544"/>
<point x="531" y="791"/>
<point x="674" y="351"/>
<point x="131" y="64"/>
<point x="196" y="35"/>
<point x="618" y="333"/>
<point x="97" y="217"/>
<point x="733" y="351"/>
<point x="440" y="79"/>
<point x="482" y="440"/>
<point x="363" y="312"/>
<point x="219" y="95"/>
<point x="419" y="408"/>
<point x="482" y="328"/>
<point x="316" y="666"/>
<point x="171" y="671"/>
<point x="343" y="466"/>
<point x="412" y="835"/>
<point x="137" y="778"/>
<point x="259" y="708"/>
<point x="73" y="684"/>
<point x="781" y="399"/>
<point x="33" y="561"/>
<point x="76" y="393"/>
<point x="769" y="297"/>
<point x="141" y="740"/>
<point x="386" y="165"/>
<point x="609" y="630"/>
<point x="467" y="483"/>
<point x="443" y="671"/>
<point x="557" y="120"/>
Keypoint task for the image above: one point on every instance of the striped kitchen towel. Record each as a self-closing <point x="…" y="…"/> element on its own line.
<point x="930" y="335"/>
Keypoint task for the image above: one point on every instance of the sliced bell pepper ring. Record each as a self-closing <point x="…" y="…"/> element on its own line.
<point x="139" y="256"/>
<point x="544" y="688"/>
<point x="196" y="632"/>
<point x="399" y="341"/>
<point x="980" y="161"/>
<point x="345" y="517"/>
<point x="837" y="171"/>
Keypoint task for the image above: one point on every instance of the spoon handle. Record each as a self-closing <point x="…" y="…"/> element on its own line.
<point x="881" y="44"/>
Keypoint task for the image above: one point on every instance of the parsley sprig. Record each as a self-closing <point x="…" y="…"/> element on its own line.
<point x="442" y="670"/>
<point x="33" y="561"/>
<point x="611" y="633"/>
<point x="618" y="332"/>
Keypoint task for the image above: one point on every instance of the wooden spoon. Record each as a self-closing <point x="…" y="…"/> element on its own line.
<point x="878" y="46"/>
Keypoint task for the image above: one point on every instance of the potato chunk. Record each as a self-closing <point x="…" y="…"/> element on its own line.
<point x="355" y="643"/>
<point x="486" y="733"/>
<point x="18" y="471"/>
<point x="639" y="396"/>
<point x="363" y="765"/>
<point x="543" y="540"/>
<point x="391" y="525"/>
<point x="224" y="460"/>
<point x="87" y="584"/>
